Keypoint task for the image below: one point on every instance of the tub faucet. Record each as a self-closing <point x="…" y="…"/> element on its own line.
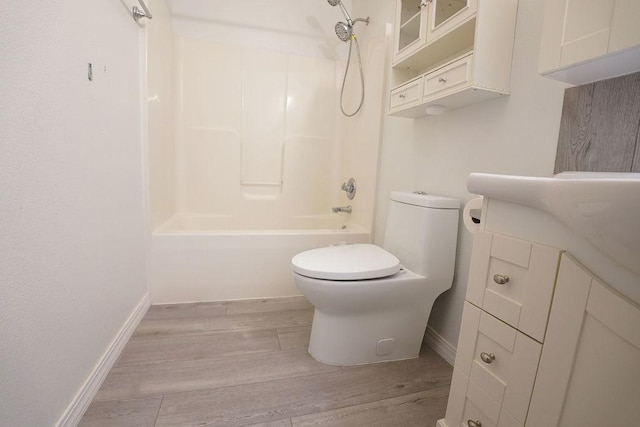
<point x="346" y="209"/>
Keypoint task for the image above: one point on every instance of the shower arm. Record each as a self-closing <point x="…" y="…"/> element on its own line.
<point x="144" y="13"/>
<point x="365" y="20"/>
<point x="350" y="21"/>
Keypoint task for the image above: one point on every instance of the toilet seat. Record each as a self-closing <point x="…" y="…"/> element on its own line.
<point x="346" y="262"/>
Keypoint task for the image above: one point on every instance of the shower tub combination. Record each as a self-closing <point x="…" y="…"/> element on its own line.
<point x="247" y="148"/>
<point x="215" y="258"/>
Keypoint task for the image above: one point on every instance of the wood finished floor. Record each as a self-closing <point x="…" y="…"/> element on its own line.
<point x="245" y="363"/>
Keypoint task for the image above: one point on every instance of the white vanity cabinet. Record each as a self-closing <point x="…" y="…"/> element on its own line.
<point x="513" y="280"/>
<point x="456" y="52"/>
<point x="509" y="293"/>
<point x="494" y="372"/>
<point x="589" y="373"/>
<point x="543" y="343"/>
<point x="587" y="40"/>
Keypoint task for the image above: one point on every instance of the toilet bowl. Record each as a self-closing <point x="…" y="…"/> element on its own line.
<point x="371" y="305"/>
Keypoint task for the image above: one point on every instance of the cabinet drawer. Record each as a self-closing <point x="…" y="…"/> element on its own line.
<point x="513" y="280"/>
<point x="407" y="95"/>
<point x="499" y="360"/>
<point x="469" y="405"/>
<point x="452" y="76"/>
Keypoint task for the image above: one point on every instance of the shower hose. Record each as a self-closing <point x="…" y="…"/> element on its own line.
<point x="353" y="38"/>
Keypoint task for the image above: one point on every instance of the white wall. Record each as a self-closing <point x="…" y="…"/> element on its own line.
<point x="515" y="135"/>
<point x="72" y="255"/>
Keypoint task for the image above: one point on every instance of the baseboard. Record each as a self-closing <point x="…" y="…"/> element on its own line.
<point x="440" y="345"/>
<point x="80" y="403"/>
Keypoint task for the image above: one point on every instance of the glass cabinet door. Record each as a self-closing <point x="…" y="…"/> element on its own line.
<point x="445" y="15"/>
<point x="410" y="31"/>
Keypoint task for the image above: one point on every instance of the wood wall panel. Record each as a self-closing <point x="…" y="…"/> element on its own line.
<point x="636" y="156"/>
<point x="599" y="129"/>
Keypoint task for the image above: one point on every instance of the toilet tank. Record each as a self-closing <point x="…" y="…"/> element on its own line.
<point x="422" y="231"/>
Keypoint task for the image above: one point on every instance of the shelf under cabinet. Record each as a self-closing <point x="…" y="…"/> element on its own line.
<point x="452" y="85"/>
<point x="438" y="50"/>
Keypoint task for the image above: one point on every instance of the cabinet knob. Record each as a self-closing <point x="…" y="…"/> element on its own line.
<point x="475" y="423"/>
<point x="401" y="96"/>
<point x="487" y="358"/>
<point x="442" y="79"/>
<point x="501" y="279"/>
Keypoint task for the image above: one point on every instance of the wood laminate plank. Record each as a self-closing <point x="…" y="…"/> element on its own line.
<point x="134" y="381"/>
<point x="178" y="311"/>
<point x="417" y="409"/>
<point x="125" y="413"/>
<point x="172" y="348"/>
<point x="293" y="397"/>
<point x="293" y="338"/>
<point x="247" y="321"/>
<point x="599" y="126"/>
<point x="268" y="305"/>
<point x="636" y="156"/>
<point x="279" y="423"/>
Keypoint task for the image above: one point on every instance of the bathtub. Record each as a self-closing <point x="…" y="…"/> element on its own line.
<point x="217" y="258"/>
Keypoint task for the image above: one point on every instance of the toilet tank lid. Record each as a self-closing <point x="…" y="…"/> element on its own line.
<point x="419" y="198"/>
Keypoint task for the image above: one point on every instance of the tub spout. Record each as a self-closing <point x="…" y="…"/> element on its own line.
<point x="346" y="209"/>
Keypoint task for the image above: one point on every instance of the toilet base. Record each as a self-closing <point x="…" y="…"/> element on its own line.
<point x="368" y="337"/>
<point x="369" y="321"/>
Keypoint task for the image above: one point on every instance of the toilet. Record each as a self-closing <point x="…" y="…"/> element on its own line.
<point x="372" y="304"/>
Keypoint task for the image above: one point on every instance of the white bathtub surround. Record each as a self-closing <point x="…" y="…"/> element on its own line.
<point x="161" y="144"/>
<point x="260" y="143"/>
<point x="288" y="26"/>
<point x="256" y="130"/>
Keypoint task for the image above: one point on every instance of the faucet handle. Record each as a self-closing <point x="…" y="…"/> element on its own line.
<point x="350" y="188"/>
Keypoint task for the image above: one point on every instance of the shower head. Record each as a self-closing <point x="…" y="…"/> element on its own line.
<point x="343" y="31"/>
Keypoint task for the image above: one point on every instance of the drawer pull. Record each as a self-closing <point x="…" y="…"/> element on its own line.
<point x="442" y="79"/>
<point x="487" y="358"/>
<point x="501" y="279"/>
<point x="401" y="96"/>
<point x="475" y="423"/>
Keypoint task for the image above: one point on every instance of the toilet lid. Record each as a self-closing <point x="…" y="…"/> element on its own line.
<point x="346" y="262"/>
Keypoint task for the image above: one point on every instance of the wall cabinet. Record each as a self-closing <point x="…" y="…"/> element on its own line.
<point x="587" y="40"/>
<point x="543" y="343"/>
<point x="456" y="52"/>
<point x="421" y="22"/>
